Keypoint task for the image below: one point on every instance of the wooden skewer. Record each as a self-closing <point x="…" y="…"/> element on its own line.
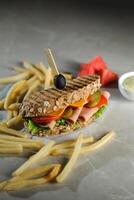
<point x="51" y="61"/>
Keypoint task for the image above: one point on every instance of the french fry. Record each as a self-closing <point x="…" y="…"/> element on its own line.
<point x="48" y="74"/>
<point x="29" y="174"/>
<point x="32" y="89"/>
<point x="67" y="75"/>
<point x="15" y="113"/>
<point x="14" y="121"/>
<point x="19" y="139"/>
<point x="48" y="78"/>
<point x="62" y="151"/>
<point x="33" y="70"/>
<point x="99" y="143"/>
<point x="9" y="114"/>
<point x="15" y="149"/>
<point x="87" y="148"/>
<point x="3" y="123"/>
<point x="20" y="69"/>
<point x="32" y="80"/>
<point x="14" y="106"/>
<point x="71" y="143"/>
<point x="2" y="101"/>
<point x="28" y="145"/>
<point x="38" y="171"/>
<point x="42" y="68"/>
<point x="72" y="160"/>
<point x="15" y="78"/>
<point x="34" y="159"/>
<point x="15" y="91"/>
<point x="6" y="145"/>
<point x="26" y="183"/>
<point x="19" y="184"/>
<point x="33" y="146"/>
<point x="8" y="131"/>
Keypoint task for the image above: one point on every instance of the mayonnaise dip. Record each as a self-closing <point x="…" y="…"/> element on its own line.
<point x="128" y="83"/>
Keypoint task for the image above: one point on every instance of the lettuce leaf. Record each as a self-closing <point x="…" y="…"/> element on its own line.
<point x="100" y="111"/>
<point x="32" y="127"/>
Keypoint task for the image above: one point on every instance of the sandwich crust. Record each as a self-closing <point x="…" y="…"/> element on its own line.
<point x="44" y="102"/>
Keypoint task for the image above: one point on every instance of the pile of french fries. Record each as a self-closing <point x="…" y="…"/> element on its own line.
<point x="30" y="174"/>
<point x="14" y="142"/>
<point x="27" y="79"/>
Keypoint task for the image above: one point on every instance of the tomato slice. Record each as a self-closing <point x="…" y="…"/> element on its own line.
<point x="102" y="101"/>
<point x="46" y="119"/>
<point x="108" y="76"/>
<point x="79" y="103"/>
<point x="98" y="63"/>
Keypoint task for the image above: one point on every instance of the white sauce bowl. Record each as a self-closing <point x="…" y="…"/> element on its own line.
<point x="126" y="93"/>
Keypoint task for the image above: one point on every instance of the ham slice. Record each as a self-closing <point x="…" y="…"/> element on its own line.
<point x="73" y="118"/>
<point x="51" y="124"/>
<point x="105" y="94"/>
<point x="87" y="113"/>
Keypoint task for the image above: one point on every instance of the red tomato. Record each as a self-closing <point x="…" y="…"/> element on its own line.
<point x="102" y="101"/>
<point x="107" y="76"/>
<point x="85" y="69"/>
<point x="46" y="119"/>
<point x="98" y="64"/>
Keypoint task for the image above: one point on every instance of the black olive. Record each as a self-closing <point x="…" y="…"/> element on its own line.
<point x="59" y="81"/>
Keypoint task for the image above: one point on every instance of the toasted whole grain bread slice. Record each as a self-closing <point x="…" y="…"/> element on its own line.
<point x="43" y="102"/>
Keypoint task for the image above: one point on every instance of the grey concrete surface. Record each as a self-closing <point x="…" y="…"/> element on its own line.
<point x="76" y="34"/>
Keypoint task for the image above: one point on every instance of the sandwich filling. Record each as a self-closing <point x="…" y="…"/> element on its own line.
<point x="71" y="117"/>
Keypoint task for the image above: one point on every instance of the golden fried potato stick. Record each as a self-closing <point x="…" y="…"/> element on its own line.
<point x="3" y="123"/>
<point x="8" y="145"/>
<point x="48" y="74"/>
<point x="42" y="68"/>
<point x="48" y="78"/>
<point x="15" y="113"/>
<point x="2" y="101"/>
<point x="38" y="171"/>
<point x="21" y="69"/>
<point x="32" y="89"/>
<point x="14" y="121"/>
<point x="32" y="80"/>
<point x="18" y="184"/>
<point x="72" y="160"/>
<point x="15" y="78"/>
<point x="8" y="131"/>
<point x="67" y="75"/>
<point x="99" y="143"/>
<point x="35" y="158"/>
<point x="15" y="149"/>
<point x="14" y="92"/>
<point x="88" y="148"/>
<point x="34" y="70"/>
<point x="19" y="139"/>
<point x="14" y="106"/>
<point x="9" y="114"/>
<point x="35" y="146"/>
<point x="71" y="143"/>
